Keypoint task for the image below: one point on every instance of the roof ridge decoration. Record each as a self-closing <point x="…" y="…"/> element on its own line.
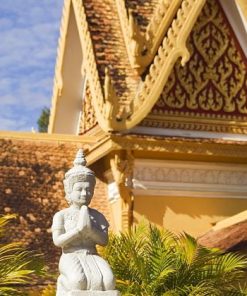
<point x="142" y="47"/>
<point x="105" y="101"/>
<point x="111" y="101"/>
<point x="173" y="46"/>
<point x="90" y="63"/>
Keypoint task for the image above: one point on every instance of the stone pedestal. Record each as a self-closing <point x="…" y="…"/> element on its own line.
<point x="94" y="293"/>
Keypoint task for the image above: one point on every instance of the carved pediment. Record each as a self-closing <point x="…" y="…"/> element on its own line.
<point x="210" y="91"/>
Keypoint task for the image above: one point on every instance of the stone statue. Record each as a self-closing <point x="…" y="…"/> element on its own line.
<point x="77" y="230"/>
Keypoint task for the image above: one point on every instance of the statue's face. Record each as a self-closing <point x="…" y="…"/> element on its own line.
<point x="82" y="193"/>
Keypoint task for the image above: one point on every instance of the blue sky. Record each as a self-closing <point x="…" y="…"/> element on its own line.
<point x="29" y="31"/>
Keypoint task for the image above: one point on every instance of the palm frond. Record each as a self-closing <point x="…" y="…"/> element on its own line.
<point x="16" y="264"/>
<point x="154" y="262"/>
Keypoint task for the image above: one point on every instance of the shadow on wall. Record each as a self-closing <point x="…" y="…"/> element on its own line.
<point x="192" y="215"/>
<point x="31" y="186"/>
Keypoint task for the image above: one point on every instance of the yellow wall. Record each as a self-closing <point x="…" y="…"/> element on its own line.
<point x="192" y="215"/>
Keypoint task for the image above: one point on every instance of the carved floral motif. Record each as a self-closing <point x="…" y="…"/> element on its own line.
<point x="191" y="175"/>
<point x="122" y="169"/>
<point x="214" y="81"/>
<point x="88" y="118"/>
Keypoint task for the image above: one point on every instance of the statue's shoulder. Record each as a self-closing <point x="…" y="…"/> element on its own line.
<point x="60" y="214"/>
<point x="58" y="219"/>
<point x="98" y="218"/>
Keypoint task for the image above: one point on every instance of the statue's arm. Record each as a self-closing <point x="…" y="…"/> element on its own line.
<point x="100" y="237"/>
<point x="60" y="237"/>
<point x="99" y="230"/>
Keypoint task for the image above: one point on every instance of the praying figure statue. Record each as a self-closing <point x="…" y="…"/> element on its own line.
<point x="77" y="230"/>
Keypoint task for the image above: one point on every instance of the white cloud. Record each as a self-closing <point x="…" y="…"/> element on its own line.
<point x="28" y="33"/>
<point x="19" y="123"/>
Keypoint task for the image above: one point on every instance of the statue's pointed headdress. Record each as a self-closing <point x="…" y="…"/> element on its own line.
<point x="78" y="173"/>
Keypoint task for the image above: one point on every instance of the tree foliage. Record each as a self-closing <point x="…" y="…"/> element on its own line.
<point x="152" y="262"/>
<point x="43" y="120"/>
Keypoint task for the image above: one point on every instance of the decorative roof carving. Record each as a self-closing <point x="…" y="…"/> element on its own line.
<point x="142" y="46"/>
<point x="88" y="119"/>
<point x="122" y="99"/>
<point x="103" y="96"/>
<point x="111" y="101"/>
<point x="122" y="167"/>
<point x="211" y="89"/>
<point x="173" y="47"/>
<point x="89" y="59"/>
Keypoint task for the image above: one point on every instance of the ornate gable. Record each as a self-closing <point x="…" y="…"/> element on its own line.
<point x="121" y="94"/>
<point x="210" y="91"/>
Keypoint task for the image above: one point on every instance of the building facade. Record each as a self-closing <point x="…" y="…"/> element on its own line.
<point x="160" y="88"/>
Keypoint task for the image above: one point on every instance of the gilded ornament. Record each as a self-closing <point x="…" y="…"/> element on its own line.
<point x="213" y="82"/>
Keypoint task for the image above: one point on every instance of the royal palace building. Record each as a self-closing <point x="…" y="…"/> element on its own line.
<point x="155" y="92"/>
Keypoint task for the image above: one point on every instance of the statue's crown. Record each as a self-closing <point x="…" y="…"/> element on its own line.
<point x="79" y="167"/>
<point x="79" y="172"/>
<point x="80" y="158"/>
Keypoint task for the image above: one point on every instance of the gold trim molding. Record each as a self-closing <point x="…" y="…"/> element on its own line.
<point x="195" y="122"/>
<point x="60" y="138"/>
<point x="180" y="148"/>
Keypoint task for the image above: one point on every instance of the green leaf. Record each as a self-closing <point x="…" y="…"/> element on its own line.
<point x="16" y="264"/>
<point x="148" y="261"/>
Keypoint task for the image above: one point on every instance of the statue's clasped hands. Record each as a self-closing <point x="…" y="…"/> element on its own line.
<point x="84" y="223"/>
